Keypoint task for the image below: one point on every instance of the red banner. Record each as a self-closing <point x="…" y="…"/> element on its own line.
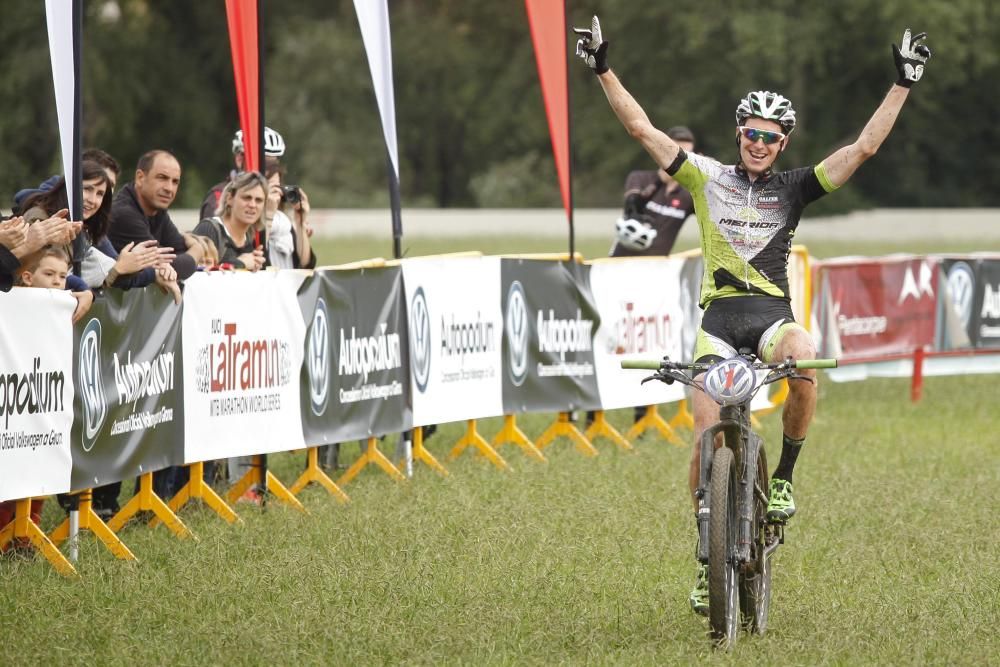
<point x="548" y="32"/>
<point x="878" y="308"/>
<point x="242" y="18"/>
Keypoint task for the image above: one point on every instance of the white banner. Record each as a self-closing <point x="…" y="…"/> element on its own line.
<point x="456" y="331"/>
<point x="373" y="17"/>
<point x="59" y="18"/>
<point x="243" y="338"/>
<point x="36" y="392"/>
<point x="642" y="316"/>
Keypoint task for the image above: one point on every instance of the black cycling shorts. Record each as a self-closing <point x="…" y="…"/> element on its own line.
<point x="731" y="323"/>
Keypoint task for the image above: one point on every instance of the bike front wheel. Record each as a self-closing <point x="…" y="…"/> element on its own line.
<point x="723" y="591"/>
<point x="755" y="583"/>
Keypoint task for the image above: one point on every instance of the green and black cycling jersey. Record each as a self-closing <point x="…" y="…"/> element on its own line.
<point x="746" y="226"/>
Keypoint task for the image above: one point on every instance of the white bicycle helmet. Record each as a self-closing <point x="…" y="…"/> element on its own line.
<point x="769" y="106"/>
<point x="274" y="145"/>
<point x="634" y="234"/>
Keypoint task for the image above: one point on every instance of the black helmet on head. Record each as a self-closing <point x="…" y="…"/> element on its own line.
<point x="769" y="106"/>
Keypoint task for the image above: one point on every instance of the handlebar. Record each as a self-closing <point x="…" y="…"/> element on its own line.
<point x="658" y="364"/>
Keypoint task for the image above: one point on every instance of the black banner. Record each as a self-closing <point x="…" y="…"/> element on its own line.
<point x="958" y="317"/>
<point x="550" y="319"/>
<point x="129" y="403"/>
<point x="986" y="306"/>
<point x="355" y="379"/>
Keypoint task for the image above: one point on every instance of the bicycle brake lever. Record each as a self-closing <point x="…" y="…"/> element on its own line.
<point x="797" y="376"/>
<point x="666" y="379"/>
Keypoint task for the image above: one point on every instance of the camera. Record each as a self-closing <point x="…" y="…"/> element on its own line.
<point x="291" y="194"/>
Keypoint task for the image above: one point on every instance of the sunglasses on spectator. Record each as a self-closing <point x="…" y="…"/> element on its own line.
<point x="753" y="134"/>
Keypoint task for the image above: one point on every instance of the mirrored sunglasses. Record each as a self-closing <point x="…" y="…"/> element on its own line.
<point x="753" y="134"/>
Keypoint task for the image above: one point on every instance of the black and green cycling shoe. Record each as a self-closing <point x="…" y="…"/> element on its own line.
<point x="699" y="595"/>
<point x="781" y="505"/>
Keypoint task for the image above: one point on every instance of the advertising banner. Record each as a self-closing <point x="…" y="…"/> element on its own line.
<point x="550" y="320"/>
<point x="958" y="318"/>
<point x="130" y="408"/>
<point x="641" y="309"/>
<point x="455" y="331"/>
<point x="243" y="340"/>
<point x="877" y="307"/>
<point x="987" y="305"/>
<point x="356" y="377"/>
<point x="36" y="392"/>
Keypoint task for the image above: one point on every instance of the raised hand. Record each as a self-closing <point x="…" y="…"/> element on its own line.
<point x="592" y="47"/>
<point x="910" y="57"/>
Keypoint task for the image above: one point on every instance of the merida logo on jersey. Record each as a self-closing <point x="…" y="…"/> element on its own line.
<point x="367" y="354"/>
<point x="730" y="222"/>
<point x="562" y="336"/>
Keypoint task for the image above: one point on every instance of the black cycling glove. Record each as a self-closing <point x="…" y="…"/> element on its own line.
<point x="592" y="47"/>
<point x="910" y="57"/>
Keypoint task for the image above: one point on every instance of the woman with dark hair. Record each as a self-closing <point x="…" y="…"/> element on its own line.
<point x="138" y="264"/>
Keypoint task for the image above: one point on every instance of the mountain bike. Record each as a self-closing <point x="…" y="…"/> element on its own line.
<point x="735" y="539"/>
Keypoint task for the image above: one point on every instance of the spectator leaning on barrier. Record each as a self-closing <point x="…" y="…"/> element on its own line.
<point x="232" y="230"/>
<point x="140" y="211"/>
<point x="24" y="239"/>
<point x="746" y="239"/>
<point x="656" y="207"/>
<point x="288" y="244"/>
<point x="137" y="265"/>
<point x="46" y="268"/>
<point x="274" y="148"/>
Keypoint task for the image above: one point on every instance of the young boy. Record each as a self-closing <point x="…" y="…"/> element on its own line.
<point x="46" y="268"/>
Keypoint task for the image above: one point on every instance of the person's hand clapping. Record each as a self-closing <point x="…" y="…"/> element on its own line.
<point x="13" y="232"/>
<point x="253" y="261"/>
<point x="135" y="257"/>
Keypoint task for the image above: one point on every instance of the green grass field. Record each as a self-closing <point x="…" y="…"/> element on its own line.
<point x="892" y="559"/>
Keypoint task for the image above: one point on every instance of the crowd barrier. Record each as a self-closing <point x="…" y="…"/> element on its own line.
<point x="908" y="316"/>
<point x="255" y="363"/>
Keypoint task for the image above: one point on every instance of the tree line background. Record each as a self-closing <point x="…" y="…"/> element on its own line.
<point x="470" y="118"/>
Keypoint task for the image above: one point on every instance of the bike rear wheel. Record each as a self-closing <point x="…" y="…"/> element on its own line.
<point x="755" y="583"/>
<point x="723" y="590"/>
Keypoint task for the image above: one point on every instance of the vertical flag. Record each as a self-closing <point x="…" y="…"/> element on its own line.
<point x="242" y="18"/>
<point x="64" y="21"/>
<point x="548" y="32"/>
<point x="373" y="17"/>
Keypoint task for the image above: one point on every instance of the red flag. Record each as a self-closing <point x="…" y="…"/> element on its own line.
<point x="548" y="32"/>
<point x="242" y="18"/>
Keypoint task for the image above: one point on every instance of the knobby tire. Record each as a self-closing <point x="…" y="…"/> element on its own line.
<point x="755" y="584"/>
<point x="723" y="591"/>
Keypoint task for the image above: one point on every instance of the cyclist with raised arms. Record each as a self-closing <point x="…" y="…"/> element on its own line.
<point x="747" y="214"/>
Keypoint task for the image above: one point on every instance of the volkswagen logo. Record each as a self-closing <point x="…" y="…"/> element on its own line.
<point x="961" y="283"/>
<point x="420" y="339"/>
<point x="91" y="384"/>
<point x="730" y="381"/>
<point x="516" y="328"/>
<point x="317" y="361"/>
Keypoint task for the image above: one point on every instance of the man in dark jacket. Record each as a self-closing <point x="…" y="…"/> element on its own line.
<point x="139" y="212"/>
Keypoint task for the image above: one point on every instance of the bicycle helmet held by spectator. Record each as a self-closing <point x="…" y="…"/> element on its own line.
<point x="634" y="234"/>
<point x="274" y="145"/>
<point x="769" y="106"/>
